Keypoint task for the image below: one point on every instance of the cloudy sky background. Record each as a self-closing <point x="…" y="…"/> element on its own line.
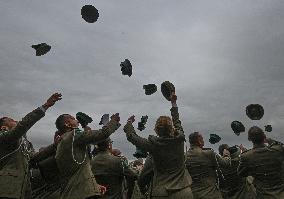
<point x="221" y="56"/>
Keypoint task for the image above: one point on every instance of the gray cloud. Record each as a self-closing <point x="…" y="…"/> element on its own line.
<point x="221" y="56"/>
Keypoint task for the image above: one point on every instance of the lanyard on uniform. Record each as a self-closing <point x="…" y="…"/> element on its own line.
<point x="77" y="162"/>
<point x="7" y="155"/>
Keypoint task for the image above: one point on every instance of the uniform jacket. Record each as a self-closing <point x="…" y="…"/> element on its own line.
<point x="265" y="165"/>
<point x="146" y="176"/>
<point x="14" y="172"/>
<point x="202" y="165"/>
<point x="109" y="170"/>
<point x="45" y="180"/>
<point x="170" y="173"/>
<point x="74" y="163"/>
<point x="234" y="186"/>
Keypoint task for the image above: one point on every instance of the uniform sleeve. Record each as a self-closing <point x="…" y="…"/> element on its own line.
<point x="222" y="161"/>
<point x="138" y="141"/>
<point x="42" y="155"/>
<point x="271" y="141"/>
<point x="146" y="175"/>
<point x="176" y="121"/>
<point x="23" y="126"/>
<point x="91" y="136"/>
<point x="243" y="169"/>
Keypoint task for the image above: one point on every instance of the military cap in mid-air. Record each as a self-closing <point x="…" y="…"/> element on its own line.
<point x="104" y="120"/>
<point x="235" y="151"/>
<point x="126" y="67"/>
<point x="142" y="123"/>
<point x="167" y="88"/>
<point x="41" y="49"/>
<point x="83" y="119"/>
<point x="268" y="128"/>
<point x="254" y="111"/>
<point x="150" y="89"/>
<point x="139" y="153"/>
<point x="89" y="13"/>
<point x="214" y="138"/>
<point x="237" y="127"/>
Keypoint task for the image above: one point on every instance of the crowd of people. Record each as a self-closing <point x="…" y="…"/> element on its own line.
<point x="81" y="164"/>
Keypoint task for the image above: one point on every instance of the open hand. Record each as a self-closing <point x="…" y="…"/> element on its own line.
<point x="102" y="189"/>
<point x="51" y="100"/>
<point x="115" y="117"/>
<point x="131" y="119"/>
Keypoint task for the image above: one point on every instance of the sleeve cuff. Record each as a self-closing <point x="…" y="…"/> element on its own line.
<point x="42" y="109"/>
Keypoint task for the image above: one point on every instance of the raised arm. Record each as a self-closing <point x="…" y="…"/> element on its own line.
<point x="29" y="120"/>
<point x="43" y="154"/>
<point x="175" y="115"/>
<point x="91" y="136"/>
<point x="132" y="137"/>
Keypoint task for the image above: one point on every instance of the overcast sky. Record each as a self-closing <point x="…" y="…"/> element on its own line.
<point x="221" y="56"/>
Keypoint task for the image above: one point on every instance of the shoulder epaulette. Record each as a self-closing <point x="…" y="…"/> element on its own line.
<point x="207" y="149"/>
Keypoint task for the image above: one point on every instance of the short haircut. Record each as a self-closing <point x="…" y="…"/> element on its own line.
<point x="222" y="147"/>
<point x="104" y="145"/>
<point x="256" y="135"/>
<point x="193" y="138"/>
<point x="60" y="123"/>
<point x="2" y="121"/>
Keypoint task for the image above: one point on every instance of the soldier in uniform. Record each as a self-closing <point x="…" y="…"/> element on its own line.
<point x="14" y="171"/>
<point x="264" y="164"/>
<point x="45" y="178"/>
<point x="202" y="164"/>
<point x="110" y="170"/>
<point x="171" y="179"/>
<point x="146" y="176"/>
<point x="78" y="181"/>
<point x="137" y="167"/>
<point x="231" y="184"/>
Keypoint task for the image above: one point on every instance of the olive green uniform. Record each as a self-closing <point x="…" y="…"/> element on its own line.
<point x="202" y="165"/>
<point x="264" y="164"/>
<point x="46" y="182"/>
<point x="232" y="185"/>
<point x="74" y="163"/>
<point x="171" y="179"/>
<point x="109" y="171"/>
<point x="146" y="176"/>
<point x="14" y="171"/>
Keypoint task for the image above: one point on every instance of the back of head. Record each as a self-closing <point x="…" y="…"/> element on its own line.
<point x="164" y="127"/>
<point x="222" y="147"/>
<point x="256" y="135"/>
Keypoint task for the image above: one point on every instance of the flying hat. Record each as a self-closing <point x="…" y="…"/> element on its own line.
<point x="104" y="119"/>
<point x="254" y="111"/>
<point x="83" y="119"/>
<point x="235" y="151"/>
<point x="268" y="128"/>
<point x="41" y="49"/>
<point x="89" y="13"/>
<point x="126" y="67"/>
<point x="214" y="138"/>
<point x="237" y="127"/>
<point x="142" y="123"/>
<point x="139" y="153"/>
<point x="167" y="88"/>
<point x="150" y="89"/>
